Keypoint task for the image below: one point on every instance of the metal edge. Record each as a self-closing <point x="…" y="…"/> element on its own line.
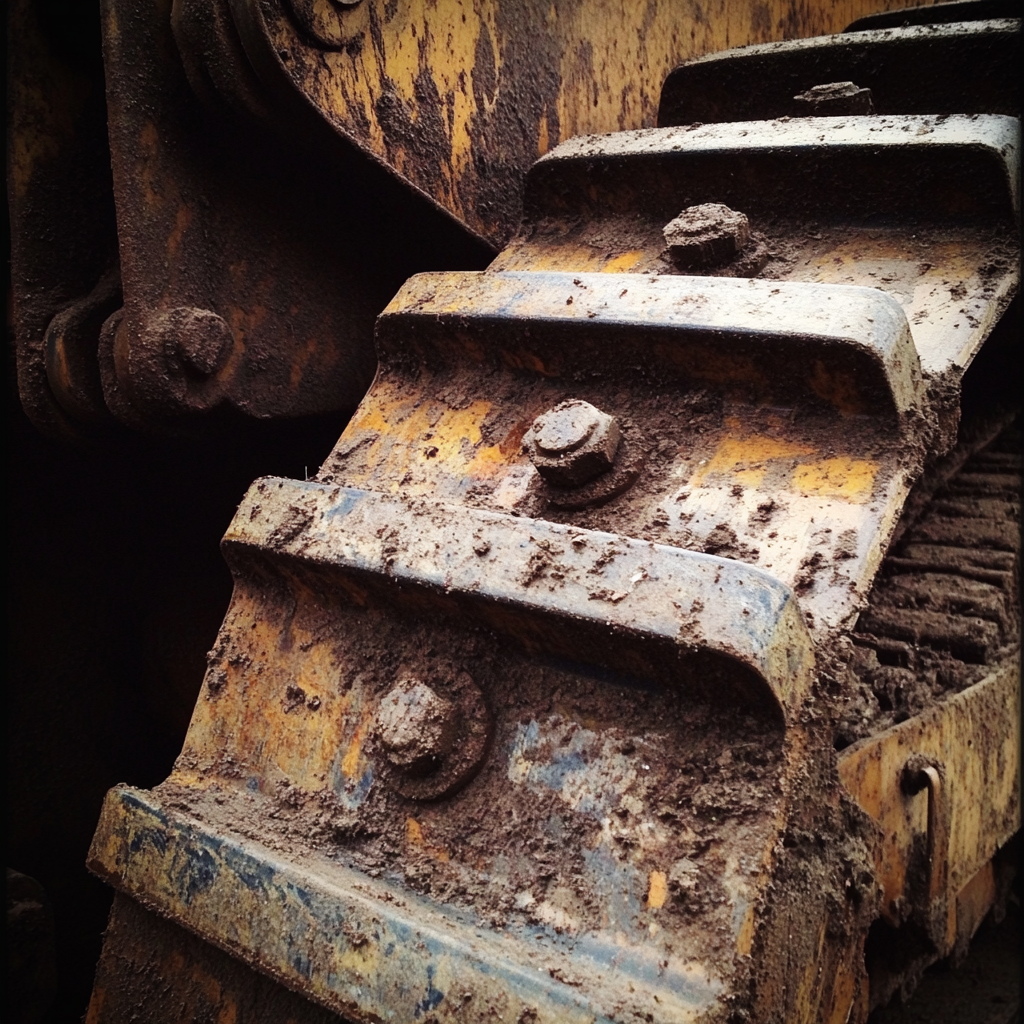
<point x="723" y="310"/>
<point x="650" y="591"/>
<point x="983" y="139"/>
<point x="874" y="38"/>
<point x="325" y="930"/>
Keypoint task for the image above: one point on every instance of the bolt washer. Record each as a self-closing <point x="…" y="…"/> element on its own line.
<point x="464" y="750"/>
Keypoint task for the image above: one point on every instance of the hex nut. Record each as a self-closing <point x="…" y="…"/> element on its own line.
<point x="415" y="727"/>
<point x="572" y="443"/>
<point x="834" y="99"/>
<point x="706" y="236"/>
<point x="199" y="339"/>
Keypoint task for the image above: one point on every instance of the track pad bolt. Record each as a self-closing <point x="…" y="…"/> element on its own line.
<point x="416" y="727"/>
<point x="835" y="99"/>
<point x="572" y="443"/>
<point x="706" y="236"/>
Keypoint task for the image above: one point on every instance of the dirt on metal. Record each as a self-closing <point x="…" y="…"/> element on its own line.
<point x="946" y="608"/>
<point x="522" y="856"/>
<point x="144" y="951"/>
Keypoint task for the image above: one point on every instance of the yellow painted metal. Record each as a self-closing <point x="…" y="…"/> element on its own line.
<point x="928" y="274"/>
<point x="461" y="97"/>
<point x="972" y="741"/>
<point x="820" y="490"/>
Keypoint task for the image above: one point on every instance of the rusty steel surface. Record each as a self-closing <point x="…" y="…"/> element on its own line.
<point x="149" y="957"/>
<point x="941" y="193"/>
<point x="461" y="99"/>
<point x="760" y="474"/>
<point x="978" y="791"/>
<point x="60" y="200"/>
<point x="938" y="836"/>
<point x="527" y="706"/>
<point x="229" y="228"/>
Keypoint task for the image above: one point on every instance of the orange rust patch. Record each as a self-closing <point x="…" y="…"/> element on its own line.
<point x="350" y="762"/>
<point x="182" y="219"/>
<point x="414" y="837"/>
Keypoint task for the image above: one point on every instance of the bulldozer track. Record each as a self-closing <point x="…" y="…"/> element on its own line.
<point x="946" y="607"/>
<point x="517" y="705"/>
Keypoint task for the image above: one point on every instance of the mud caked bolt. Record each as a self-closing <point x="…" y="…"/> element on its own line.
<point x="416" y="727"/>
<point x="706" y="236"/>
<point x="573" y="443"/>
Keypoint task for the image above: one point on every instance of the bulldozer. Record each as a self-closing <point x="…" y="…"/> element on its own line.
<point x="647" y="645"/>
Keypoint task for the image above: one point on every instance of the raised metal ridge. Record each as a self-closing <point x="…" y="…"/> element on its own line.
<point x="940" y="13"/>
<point x="955" y="168"/>
<point x="349" y="941"/>
<point x="634" y="588"/>
<point x="782" y="326"/>
<point x="949" y="69"/>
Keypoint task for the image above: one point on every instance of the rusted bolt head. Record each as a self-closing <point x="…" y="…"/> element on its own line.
<point x="200" y="338"/>
<point x="415" y="727"/>
<point x="573" y="443"/>
<point x="834" y="99"/>
<point x="706" y="236"/>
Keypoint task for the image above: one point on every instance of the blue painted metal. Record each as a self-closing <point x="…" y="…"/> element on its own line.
<point x="352" y="943"/>
<point x="650" y="592"/>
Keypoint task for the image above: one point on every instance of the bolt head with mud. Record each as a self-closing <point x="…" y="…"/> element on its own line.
<point x="706" y="236"/>
<point x="197" y="339"/>
<point x="573" y="443"/>
<point x="415" y="727"/>
<point x="834" y="99"/>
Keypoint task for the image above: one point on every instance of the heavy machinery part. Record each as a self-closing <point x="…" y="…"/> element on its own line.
<point x="285" y="166"/>
<point x="943" y="618"/>
<point x="238" y="222"/>
<point x="937" y="14"/>
<point x="208" y="984"/>
<point x="941" y="828"/>
<point x="948" y="69"/>
<point x="460" y="103"/>
<point x="730" y="476"/>
<point x="60" y="199"/>
<point x="657" y="828"/>
<point x="904" y="204"/>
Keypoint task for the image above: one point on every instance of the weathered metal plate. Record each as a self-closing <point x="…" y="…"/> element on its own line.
<point x="352" y="943"/>
<point x="460" y="101"/>
<point x="924" y="208"/>
<point x="154" y="969"/>
<point x="722" y="331"/>
<point x="294" y="249"/>
<point x="948" y="69"/>
<point x="571" y="876"/>
<point x="607" y="860"/>
<point x="974" y="737"/>
<point x="743" y="475"/>
<point x="577" y="578"/>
